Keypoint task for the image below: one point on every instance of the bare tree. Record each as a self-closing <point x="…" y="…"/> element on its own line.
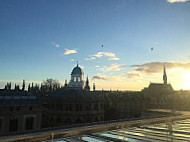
<point x="50" y="85"/>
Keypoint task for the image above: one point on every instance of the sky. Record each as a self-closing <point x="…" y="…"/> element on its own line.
<point x="42" y="39"/>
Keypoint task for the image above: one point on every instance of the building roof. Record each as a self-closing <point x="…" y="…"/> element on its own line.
<point x="160" y="86"/>
<point x="158" y="89"/>
<point x="77" y="70"/>
<point x="73" y="95"/>
<point x="17" y="97"/>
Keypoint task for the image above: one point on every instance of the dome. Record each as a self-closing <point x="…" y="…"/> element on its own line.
<point x="77" y="70"/>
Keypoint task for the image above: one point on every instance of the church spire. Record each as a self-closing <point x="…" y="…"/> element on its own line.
<point x="164" y="75"/>
<point x="87" y="87"/>
<point x="77" y="63"/>
<point x="87" y="82"/>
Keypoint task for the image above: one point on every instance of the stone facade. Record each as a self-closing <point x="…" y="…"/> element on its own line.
<point x="20" y="111"/>
<point x="66" y="107"/>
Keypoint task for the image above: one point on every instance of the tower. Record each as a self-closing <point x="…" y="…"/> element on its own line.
<point x="29" y="87"/>
<point x="65" y="83"/>
<point x="87" y="87"/>
<point x="77" y="81"/>
<point x="164" y="76"/>
<point x="23" y="85"/>
<point x="94" y="87"/>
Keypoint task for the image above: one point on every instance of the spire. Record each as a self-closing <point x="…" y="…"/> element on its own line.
<point x="94" y="87"/>
<point x="87" y="87"/>
<point x="5" y="87"/>
<point x="23" y="85"/>
<point x="164" y="75"/>
<point x="29" y="87"/>
<point x="10" y="86"/>
<point x="87" y="82"/>
<point x="32" y="85"/>
<point x="41" y="86"/>
<point x="77" y="63"/>
<point x="66" y="83"/>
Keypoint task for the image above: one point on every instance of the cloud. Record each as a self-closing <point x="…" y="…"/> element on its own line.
<point x="106" y="78"/>
<point x="113" y="67"/>
<point x="114" y="58"/>
<point x="72" y="60"/>
<point x="111" y="56"/>
<point x="157" y="67"/>
<point x="97" y="66"/>
<point x="131" y="74"/>
<point x="98" y="77"/>
<point x="70" y="51"/>
<point x="101" y="54"/>
<point x="91" y="58"/>
<point x="172" y="1"/>
<point x="56" y="45"/>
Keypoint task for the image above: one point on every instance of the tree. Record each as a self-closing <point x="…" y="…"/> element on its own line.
<point x="50" y="85"/>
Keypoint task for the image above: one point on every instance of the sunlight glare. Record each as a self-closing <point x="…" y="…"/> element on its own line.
<point x="186" y="80"/>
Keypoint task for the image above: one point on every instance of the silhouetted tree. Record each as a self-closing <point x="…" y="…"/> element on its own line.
<point x="49" y="85"/>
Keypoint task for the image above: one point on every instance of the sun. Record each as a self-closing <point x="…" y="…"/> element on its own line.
<point x="186" y="80"/>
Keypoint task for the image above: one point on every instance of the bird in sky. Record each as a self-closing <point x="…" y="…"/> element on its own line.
<point x="152" y="49"/>
<point x="102" y="45"/>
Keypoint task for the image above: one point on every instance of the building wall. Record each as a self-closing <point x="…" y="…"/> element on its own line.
<point x="64" y="113"/>
<point x="19" y="113"/>
<point x="77" y="81"/>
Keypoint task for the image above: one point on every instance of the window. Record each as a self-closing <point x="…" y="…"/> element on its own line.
<point x="61" y="106"/>
<point x="96" y="106"/>
<point x="78" y="107"/>
<point x="13" y="125"/>
<point x="52" y="106"/>
<point x="67" y="107"/>
<point x="88" y="107"/>
<point x="29" y="123"/>
<point x="1" y="121"/>
<point x="57" y="106"/>
<point x="70" y="107"/>
<point x="78" y="79"/>
<point x="17" y="108"/>
<point x="11" y="108"/>
<point x="30" y="108"/>
<point x="75" y="79"/>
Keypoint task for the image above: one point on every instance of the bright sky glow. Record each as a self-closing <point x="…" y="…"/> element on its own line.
<point x="111" y="39"/>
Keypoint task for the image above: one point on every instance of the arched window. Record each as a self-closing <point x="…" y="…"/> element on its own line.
<point x="75" y="79"/>
<point x="78" y="79"/>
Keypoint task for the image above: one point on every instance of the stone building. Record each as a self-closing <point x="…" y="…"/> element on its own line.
<point x="20" y="111"/>
<point x="77" y="78"/>
<point x="159" y="95"/>
<point x="122" y="105"/>
<point x="71" y="107"/>
<point x="74" y="103"/>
